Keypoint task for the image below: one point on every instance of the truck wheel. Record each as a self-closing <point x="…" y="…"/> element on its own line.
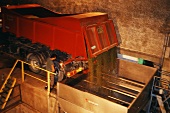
<point x="34" y="60"/>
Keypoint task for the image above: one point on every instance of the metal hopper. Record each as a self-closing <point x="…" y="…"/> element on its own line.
<point x="126" y="91"/>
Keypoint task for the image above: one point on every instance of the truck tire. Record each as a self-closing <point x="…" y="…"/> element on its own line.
<point x="35" y="61"/>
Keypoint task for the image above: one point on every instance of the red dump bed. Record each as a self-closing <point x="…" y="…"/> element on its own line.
<point x="69" y="33"/>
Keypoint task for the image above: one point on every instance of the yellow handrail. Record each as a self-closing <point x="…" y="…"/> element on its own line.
<point x="48" y="74"/>
<point x="8" y="76"/>
<point x="37" y="67"/>
<point x="23" y="73"/>
<point x="9" y="93"/>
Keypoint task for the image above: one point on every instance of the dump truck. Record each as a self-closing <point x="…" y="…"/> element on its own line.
<point x="36" y="32"/>
<point x="86" y="44"/>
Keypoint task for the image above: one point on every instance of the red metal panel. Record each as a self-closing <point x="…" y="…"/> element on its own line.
<point x="81" y="46"/>
<point x="91" y="18"/>
<point x="26" y="28"/>
<point x="64" y="22"/>
<point x="70" y="42"/>
<point x="10" y="23"/>
<point x="11" y="18"/>
<point x="22" y="6"/>
<point x="44" y="33"/>
<point x="91" y="40"/>
<point x="111" y="33"/>
<point x="103" y="37"/>
<point x="100" y="38"/>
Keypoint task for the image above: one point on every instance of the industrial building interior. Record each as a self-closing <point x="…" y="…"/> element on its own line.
<point x="132" y="75"/>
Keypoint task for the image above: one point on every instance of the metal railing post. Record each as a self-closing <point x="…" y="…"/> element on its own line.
<point x="48" y="90"/>
<point x="22" y="71"/>
<point x="151" y="96"/>
<point x="48" y="80"/>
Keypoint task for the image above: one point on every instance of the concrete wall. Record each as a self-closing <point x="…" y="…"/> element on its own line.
<point x="37" y="98"/>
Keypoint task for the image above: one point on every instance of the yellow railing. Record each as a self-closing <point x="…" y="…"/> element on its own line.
<point x="23" y="73"/>
<point x="9" y="93"/>
<point x="8" y="76"/>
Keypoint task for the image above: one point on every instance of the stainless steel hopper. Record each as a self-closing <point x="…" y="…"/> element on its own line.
<point x="125" y="92"/>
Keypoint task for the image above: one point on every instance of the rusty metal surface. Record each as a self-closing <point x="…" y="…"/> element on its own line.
<point x="124" y="92"/>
